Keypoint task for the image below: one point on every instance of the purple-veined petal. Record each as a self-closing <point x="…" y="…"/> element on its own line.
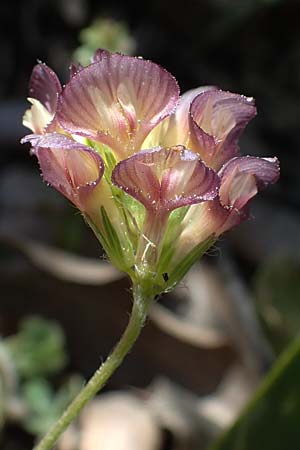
<point x="209" y="219"/>
<point x="242" y="177"/>
<point x="45" y="87"/>
<point x="225" y="218"/>
<point x="70" y="167"/>
<point x="99" y="54"/>
<point x="217" y="118"/>
<point x="118" y="100"/>
<point x="175" y="129"/>
<point x="165" y="179"/>
<point x="179" y="121"/>
<point x="74" y="69"/>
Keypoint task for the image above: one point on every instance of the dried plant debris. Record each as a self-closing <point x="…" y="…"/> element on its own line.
<point x="114" y="421"/>
<point x="64" y="265"/>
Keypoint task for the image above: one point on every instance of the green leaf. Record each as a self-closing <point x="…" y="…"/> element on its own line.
<point x="44" y="406"/>
<point x="277" y="289"/>
<point x="97" y="233"/>
<point x="38" y="348"/>
<point x="38" y="396"/>
<point x="271" y="420"/>
<point x="105" y="33"/>
<point x="134" y="212"/>
<point x="112" y="237"/>
<point x="171" y="235"/>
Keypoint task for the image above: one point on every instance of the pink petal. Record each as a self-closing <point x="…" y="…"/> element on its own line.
<point x="180" y="119"/>
<point x="223" y="219"/>
<point x="204" y="221"/>
<point x="71" y="168"/>
<point x="100" y="53"/>
<point x="165" y="179"/>
<point x="217" y="118"/>
<point x="74" y="69"/>
<point x="118" y="100"/>
<point x="175" y="129"/>
<point x="241" y="178"/>
<point x="45" y="87"/>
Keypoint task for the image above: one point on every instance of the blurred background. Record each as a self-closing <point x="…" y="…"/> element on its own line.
<point x="62" y="308"/>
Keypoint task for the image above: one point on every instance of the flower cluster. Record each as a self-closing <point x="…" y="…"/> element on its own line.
<point x="156" y="175"/>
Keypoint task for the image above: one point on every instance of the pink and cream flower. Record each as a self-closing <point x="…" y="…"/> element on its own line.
<point x="157" y="176"/>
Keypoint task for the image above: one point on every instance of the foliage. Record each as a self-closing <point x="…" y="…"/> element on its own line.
<point x="46" y="405"/>
<point x="277" y="287"/>
<point x="105" y="33"/>
<point x="271" y="419"/>
<point x="27" y="359"/>
<point x="38" y="348"/>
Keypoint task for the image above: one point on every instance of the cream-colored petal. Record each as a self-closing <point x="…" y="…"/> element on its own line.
<point x="37" y="117"/>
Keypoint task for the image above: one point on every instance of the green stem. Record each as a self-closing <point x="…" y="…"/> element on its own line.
<point x="137" y="319"/>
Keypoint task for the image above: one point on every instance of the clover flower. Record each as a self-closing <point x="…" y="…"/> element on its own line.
<point x="157" y="176"/>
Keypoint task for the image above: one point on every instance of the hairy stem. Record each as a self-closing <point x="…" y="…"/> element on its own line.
<point x="101" y="376"/>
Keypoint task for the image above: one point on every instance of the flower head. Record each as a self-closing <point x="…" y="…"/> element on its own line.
<point x="157" y="176"/>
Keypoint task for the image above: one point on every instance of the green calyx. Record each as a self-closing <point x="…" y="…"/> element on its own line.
<point x="139" y="242"/>
<point x="170" y="272"/>
<point x="121" y="246"/>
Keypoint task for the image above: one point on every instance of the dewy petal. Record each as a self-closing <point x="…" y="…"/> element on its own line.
<point x="99" y="54"/>
<point x="74" y="69"/>
<point x="174" y="130"/>
<point x="165" y="179"/>
<point x="45" y="87"/>
<point x="204" y="221"/>
<point x="70" y="167"/>
<point x="241" y="178"/>
<point x="217" y="118"/>
<point x="118" y="100"/>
